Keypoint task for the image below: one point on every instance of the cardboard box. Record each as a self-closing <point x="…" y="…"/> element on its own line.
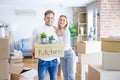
<point x="49" y="50"/>
<point x="59" y="78"/>
<point x="79" y="77"/>
<point x="110" y="44"/>
<point x="4" y="69"/>
<point x="19" y="73"/>
<point x="97" y="73"/>
<point x="16" y="59"/>
<point x="111" y="60"/>
<point x="87" y="47"/>
<point x="81" y="68"/>
<point x="9" y="77"/>
<point x="4" y="48"/>
<point x="94" y="59"/>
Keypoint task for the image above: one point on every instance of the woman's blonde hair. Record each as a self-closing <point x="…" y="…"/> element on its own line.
<point x="66" y="22"/>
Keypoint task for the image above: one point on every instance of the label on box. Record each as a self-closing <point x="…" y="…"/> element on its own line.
<point x="49" y="50"/>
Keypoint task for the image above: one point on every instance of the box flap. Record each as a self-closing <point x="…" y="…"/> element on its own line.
<point x="16" y="68"/>
<point x="29" y="74"/>
<point x="110" y="39"/>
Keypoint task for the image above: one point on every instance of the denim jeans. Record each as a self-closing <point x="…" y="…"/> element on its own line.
<point x="50" y="66"/>
<point x="68" y="65"/>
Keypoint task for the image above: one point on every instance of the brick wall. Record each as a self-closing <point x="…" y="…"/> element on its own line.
<point x="109" y="18"/>
<point x="76" y="10"/>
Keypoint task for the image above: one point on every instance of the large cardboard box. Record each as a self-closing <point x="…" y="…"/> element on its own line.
<point x="87" y="47"/>
<point x="97" y="73"/>
<point x="19" y="73"/>
<point x="49" y="50"/>
<point x="4" y="69"/>
<point x="111" y="60"/>
<point x="4" y="48"/>
<point x="110" y="44"/>
<point x="94" y="59"/>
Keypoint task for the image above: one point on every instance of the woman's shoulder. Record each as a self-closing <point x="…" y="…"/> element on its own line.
<point x="66" y="30"/>
<point x="54" y="27"/>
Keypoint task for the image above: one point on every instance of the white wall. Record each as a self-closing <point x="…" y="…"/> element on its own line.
<point x="92" y="16"/>
<point x="26" y="23"/>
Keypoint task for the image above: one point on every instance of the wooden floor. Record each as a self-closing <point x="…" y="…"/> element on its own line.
<point x="32" y="63"/>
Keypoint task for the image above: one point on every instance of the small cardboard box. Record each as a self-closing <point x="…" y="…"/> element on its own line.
<point x="94" y="59"/>
<point x="16" y="59"/>
<point x="97" y="73"/>
<point x="49" y="50"/>
<point x="87" y="47"/>
<point x="4" y="48"/>
<point x="110" y="44"/>
<point x="111" y="60"/>
<point x="4" y="69"/>
<point x="19" y="73"/>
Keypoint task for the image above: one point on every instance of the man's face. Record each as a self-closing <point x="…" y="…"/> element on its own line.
<point x="49" y="19"/>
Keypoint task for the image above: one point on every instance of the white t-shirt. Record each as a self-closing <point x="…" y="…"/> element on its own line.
<point x="49" y="30"/>
<point x="66" y="39"/>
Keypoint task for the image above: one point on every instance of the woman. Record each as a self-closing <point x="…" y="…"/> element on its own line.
<point x="68" y="61"/>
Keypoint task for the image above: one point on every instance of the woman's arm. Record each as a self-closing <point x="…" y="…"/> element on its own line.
<point x="66" y="37"/>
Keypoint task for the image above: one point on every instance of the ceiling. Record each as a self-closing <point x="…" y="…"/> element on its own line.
<point x="69" y="3"/>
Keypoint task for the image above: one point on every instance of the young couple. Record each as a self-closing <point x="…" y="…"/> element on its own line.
<point x="61" y="34"/>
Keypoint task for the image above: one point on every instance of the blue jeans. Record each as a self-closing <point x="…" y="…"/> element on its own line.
<point x="50" y="66"/>
<point x="68" y="65"/>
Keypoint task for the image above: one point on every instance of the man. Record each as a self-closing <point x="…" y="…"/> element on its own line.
<point x="46" y="64"/>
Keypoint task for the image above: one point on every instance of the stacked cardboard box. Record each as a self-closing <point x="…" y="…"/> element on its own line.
<point x="111" y="54"/>
<point x="98" y="73"/>
<point x="81" y="70"/>
<point x="111" y="44"/>
<point x="18" y="72"/>
<point x="110" y="69"/>
<point x="4" y="56"/>
<point x="4" y="69"/>
<point x="110" y="61"/>
<point x="87" y="47"/>
<point x="4" y="48"/>
<point x="17" y="58"/>
<point x="89" y="52"/>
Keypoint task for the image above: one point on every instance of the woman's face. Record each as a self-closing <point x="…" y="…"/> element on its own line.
<point x="62" y="22"/>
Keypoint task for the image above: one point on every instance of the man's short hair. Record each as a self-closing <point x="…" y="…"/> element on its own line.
<point x="49" y="12"/>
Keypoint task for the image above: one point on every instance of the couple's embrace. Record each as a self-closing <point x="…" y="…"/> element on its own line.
<point x="61" y="34"/>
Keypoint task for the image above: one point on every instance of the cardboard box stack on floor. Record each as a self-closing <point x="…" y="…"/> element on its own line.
<point x="81" y="71"/>
<point x="110" y="68"/>
<point x="89" y="52"/>
<point x="111" y="54"/>
<point x="98" y="73"/>
<point x="18" y="72"/>
<point x="17" y="57"/>
<point x="14" y="71"/>
<point x="4" y="56"/>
